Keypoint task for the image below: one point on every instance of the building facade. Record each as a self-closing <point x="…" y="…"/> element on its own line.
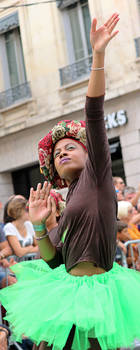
<point x="45" y="60"/>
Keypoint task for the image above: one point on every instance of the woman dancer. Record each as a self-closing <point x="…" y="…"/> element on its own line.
<point x="85" y="302"/>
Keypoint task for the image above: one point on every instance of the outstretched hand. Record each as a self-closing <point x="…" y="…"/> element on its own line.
<point x="40" y="206"/>
<point x="99" y="38"/>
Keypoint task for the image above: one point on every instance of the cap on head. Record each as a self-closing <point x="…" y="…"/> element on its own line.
<point x="64" y="129"/>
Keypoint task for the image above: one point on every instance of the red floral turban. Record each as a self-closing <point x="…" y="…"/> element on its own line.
<point x="64" y="129"/>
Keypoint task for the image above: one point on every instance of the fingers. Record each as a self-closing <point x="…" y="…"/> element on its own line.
<point x="93" y="25"/>
<point x="114" y="34"/>
<point x="49" y="205"/>
<point x="53" y="205"/>
<point x="47" y="190"/>
<point x="38" y="191"/>
<point x="113" y="24"/>
<point x="111" y="19"/>
<point x="31" y="198"/>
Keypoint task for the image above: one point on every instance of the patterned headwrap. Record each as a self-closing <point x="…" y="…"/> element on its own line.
<point x="64" y="129"/>
<point x="60" y="202"/>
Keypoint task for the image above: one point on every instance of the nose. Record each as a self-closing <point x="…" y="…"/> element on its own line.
<point x="63" y="153"/>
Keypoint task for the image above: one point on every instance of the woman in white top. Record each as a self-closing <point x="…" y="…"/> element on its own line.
<point x="19" y="231"/>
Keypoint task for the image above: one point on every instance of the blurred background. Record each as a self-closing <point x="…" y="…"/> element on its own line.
<point x="45" y="60"/>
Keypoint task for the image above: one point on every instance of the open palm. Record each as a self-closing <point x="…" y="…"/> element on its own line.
<point x="99" y="38"/>
<point x="40" y="204"/>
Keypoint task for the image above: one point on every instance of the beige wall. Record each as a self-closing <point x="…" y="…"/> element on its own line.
<point x="129" y="134"/>
<point x="45" y="51"/>
<point x="44" y="46"/>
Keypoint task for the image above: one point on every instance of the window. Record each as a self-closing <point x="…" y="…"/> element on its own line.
<point x="12" y="62"/>
<point x="12" y="58"/>
<point x="77" y="28"/>
<point x="138" y="2"/>
<point x="137" y="46"/>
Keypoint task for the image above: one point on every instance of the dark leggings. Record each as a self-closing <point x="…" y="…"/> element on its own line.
<point x="93" y="342"/>
<point x="94" y="345"/>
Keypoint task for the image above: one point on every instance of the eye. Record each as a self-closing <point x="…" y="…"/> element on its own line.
<point x="70" y="146"/>
<point x="56" y="154"/>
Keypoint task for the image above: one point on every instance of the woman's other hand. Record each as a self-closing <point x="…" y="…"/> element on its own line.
<point x="40" y="203"/>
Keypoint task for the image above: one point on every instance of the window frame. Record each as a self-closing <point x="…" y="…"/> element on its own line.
<point x="22" y="78"/>
<point x="68" y="31"/>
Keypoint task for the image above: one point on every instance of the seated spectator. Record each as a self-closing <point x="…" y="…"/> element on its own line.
<point x="118" y="183"/>
<point x="5" y="249"/>
<point x="126" y="214"/>
<point x="4" y="337"/>
<point x="6" y="276"/>
<point x="122" y="232"/>
<point x="120" y="195"/>
<point x="122" y="237"/>
<point x="18" y="229"/>
<point x="131" y="195"/>
<point x="119" y="187"/>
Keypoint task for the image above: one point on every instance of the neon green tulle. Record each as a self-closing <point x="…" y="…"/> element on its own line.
<point x="44" y="304"/>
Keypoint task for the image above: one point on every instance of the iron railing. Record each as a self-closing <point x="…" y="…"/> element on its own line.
<point x="15" y="94"/>
<point x="130" y="245"/>
<point x="75" y="71"/>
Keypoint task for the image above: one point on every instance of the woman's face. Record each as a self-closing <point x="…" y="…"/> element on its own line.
<point x="69" y="159"/>
<point x="24" y="214"/>
<point x="123" y="235"/>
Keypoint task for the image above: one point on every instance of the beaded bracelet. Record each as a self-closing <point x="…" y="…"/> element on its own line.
<point x="39" y="228"/>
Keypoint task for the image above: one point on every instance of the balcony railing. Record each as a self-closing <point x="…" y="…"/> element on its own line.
<point x="137" y="46"/>
<point x="15" y="94"/>
<point x="75" y="71"/>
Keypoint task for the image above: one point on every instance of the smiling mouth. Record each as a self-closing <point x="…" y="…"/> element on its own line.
<point x="64" y="160"/>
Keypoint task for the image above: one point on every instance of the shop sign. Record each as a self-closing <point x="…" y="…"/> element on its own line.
<point x="116" y="119"/>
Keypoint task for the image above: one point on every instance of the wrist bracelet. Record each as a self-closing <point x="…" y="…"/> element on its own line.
<point x="39" y="228"/>
<point x="42" y="237"/>
<point x="99" y="68"/>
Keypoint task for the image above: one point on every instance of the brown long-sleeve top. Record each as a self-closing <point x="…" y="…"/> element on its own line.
<point x="87" y="227"/>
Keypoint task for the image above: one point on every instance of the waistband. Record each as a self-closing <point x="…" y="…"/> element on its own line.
<point x="86" y="268"/>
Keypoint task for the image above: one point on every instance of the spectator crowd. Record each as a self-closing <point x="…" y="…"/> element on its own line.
<point x="17" y="235"/>
<point x="128" y="222"/>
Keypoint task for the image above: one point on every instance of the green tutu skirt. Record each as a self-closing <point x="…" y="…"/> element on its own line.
<point x="45" y="304"/>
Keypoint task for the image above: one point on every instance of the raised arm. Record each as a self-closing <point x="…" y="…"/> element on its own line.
<point x="97" y="143"/>
<point x="99" y="39"/>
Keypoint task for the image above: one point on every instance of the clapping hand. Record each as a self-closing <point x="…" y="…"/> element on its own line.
<point x="40" y="205"/>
